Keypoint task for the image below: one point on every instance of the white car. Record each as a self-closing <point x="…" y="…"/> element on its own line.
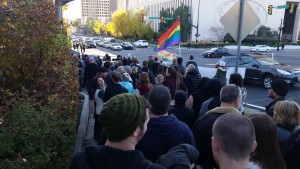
<point x="260" y="48"/>
<point x="107" y="44"/>
<point x="141" y="43"/>
<point x="116" y="46"/>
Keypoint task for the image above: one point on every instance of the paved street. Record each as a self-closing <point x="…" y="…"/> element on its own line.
<point x="256" y="94"/>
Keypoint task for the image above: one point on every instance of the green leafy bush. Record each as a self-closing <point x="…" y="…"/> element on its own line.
<point x="35" y="139"/>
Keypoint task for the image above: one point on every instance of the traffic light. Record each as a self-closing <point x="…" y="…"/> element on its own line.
<point x="142" y="17"/>
<point x="270" y="8"/>
<point x="162" y="19"/>
<point x="292" y="6"/>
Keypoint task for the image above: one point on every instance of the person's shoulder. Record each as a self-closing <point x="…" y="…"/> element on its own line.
<point x="156" y="166"/>
<point x="253" y="165"/>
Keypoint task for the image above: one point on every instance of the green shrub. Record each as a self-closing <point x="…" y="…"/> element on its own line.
<point x="38" y="88"/>
<point x="41" y="139"/>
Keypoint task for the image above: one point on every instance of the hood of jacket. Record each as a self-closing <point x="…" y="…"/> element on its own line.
<point x="193" y="72"/>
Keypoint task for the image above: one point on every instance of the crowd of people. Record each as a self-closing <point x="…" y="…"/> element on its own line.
<point x="154" y="115"/>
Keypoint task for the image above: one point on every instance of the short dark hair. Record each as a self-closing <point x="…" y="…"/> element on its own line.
<point x="179" y="60"/>
<point x="180" y="98"/>
<point x="230" y="93"/>
<point x="116" y="76"/>
<point x="107" y="64"/>
<point x="236" y="78"/>
<point x="191" y="57"/>
<point x="160" y="100"/>
<point x="235" y="135"/>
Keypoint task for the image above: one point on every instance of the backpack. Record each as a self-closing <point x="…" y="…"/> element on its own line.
<point x="292" y="153"/>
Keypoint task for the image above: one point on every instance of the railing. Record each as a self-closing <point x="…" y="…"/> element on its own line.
<point x="81" y="131"/>
<point x="252" y="106"/>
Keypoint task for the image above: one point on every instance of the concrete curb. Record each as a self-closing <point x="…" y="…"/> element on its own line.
<point x="255" y="107"/>
<point x="81" y="131"/>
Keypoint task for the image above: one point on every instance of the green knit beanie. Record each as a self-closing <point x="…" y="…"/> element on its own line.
<point x="121" y="115"/>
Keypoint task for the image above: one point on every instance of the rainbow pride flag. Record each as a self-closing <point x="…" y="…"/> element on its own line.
<point x="170" y="37"/>
<point x="166" y="56"/>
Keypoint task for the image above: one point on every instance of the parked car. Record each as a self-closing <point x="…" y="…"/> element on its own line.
<point x="90" y="44"/>
<point x="141" y="43"/>
<point x="97" y="42"/>
<point x="264" y="69"/>
<point x="100" y="43"/>
<point x="111" y="39"/>
<point x="116" y="46"/>
<point x="260" y="48"/>
<point x="127" y="46"/>
<point x="106" y="44"/>
<point x="216" y="52"/>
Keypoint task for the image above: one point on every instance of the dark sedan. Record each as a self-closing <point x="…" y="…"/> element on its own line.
<point x="90" y="44"/>
<point x="264" y="69"/>
<point x="216" y="52"/>
<point x="127" y="46"/>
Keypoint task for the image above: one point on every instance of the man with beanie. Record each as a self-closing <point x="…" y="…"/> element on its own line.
<point x="277" y="91"/>
<point x="231" y="99"/>
<point x="124" y="119"/>
<point x="115" y="88"/>
<point x="164" y="131"/>
<point x="182" y="112"/>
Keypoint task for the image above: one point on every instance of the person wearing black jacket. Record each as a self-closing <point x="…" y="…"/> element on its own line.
<point x="191" y="78"/>
<point x="277" y="91"/>
<point x="90" y="72"/>
<point x="115" y="88"/>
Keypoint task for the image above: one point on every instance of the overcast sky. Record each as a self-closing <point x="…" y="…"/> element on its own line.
<point x="74" y="10"/>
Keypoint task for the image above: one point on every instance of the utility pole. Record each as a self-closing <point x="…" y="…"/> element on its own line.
<point x="278" y="40"/>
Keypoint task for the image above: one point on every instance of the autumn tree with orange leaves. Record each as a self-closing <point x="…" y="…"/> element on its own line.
<point x="38" y="87"/>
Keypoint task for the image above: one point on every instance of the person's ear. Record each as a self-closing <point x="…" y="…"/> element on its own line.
<point x="254" y="146"/>
<point x="214" y="144"/>
<point x="150" y="108"/>
<point x="135" y="133"/>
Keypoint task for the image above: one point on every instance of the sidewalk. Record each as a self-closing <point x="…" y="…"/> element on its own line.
<point x="89" y="136"/>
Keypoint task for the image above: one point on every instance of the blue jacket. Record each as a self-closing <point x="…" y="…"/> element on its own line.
<point x="164" y="133"/>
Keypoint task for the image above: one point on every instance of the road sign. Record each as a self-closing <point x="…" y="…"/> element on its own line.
<point x="167" y="18"/>
<point x="154" y="17"/>
<point x="230" y="20"/>
<point x="282" y="7"/>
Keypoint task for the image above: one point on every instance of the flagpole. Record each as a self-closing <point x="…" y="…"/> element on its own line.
<point x="180" y="41"/>
<point x="179" y="51"/>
